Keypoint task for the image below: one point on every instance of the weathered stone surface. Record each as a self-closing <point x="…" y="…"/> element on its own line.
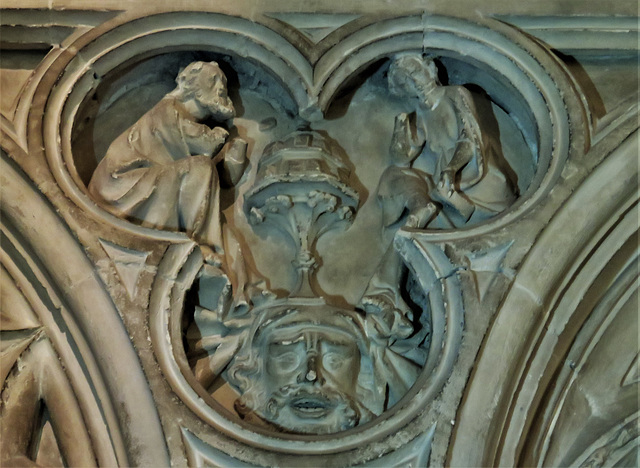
<point x="246" y="233"/>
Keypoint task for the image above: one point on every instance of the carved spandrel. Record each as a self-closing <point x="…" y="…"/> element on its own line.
<point x="302" y="189"/>
<point x="232" y="40"/>
<point x="202" y="455"/>
<point x="41" y="418"/>
<point x="129" y="265"/>
<point x="414" y="454"/>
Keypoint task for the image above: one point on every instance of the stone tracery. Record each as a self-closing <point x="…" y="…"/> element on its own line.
<point x="294" y="305"/>
<point x="302" y="185"/>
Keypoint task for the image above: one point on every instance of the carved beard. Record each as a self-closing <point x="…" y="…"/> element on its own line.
<point x="220" y="108"/>
<point x="308" y="409"/>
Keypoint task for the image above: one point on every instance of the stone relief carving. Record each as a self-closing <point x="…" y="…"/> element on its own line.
<point x="307" y="370"/>
<point x="264" y="331"/>
<point x="302" y="362"/>
<point x="617" y="447"/>
<point x="162" y="172"/>
<point x="446" y="162"/>
<point x="44" y="412"/>
<point x="414" y="454"/>
<point x="63" y="400"/>
<point x="302" y="359"/>
<point x="302" y="189"/>
<point x="318" y="60"/>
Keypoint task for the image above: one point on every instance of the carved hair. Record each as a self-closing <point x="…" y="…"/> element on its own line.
<point x="188" y="78"/>
<point x="246" y="364"/>
<point x="245" y="368"/>
<point x="241" y="373"/>
<point x="422" y="71"/>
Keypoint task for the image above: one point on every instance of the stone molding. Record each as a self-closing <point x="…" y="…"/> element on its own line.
<point x="520" y="304"/>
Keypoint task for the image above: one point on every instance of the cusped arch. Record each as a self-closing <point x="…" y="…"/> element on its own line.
<point x="540" y="89"/>
<point x="130" y="39"/>
<point x="520" y="75"/>
<point x="432" y="270"/>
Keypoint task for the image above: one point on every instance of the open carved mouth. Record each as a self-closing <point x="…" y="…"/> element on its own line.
<point x="311" y="406"/>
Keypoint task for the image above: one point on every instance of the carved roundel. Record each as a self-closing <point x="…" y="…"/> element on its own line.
<point x="293" y="320"/>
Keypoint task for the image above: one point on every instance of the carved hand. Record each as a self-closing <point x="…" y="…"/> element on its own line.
<point x="218" y="136"/>
<point x="405" y="145"/>
<point x="237" y="151"/>
<point x="235" y="160"/>
<point x="447" y="182"/>
<point x="211" y="257"/>
<point x="419" y="218"/>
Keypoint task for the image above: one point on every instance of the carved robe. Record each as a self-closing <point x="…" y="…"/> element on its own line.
<point x="454" y="131"/>
<point x="160" y="173"/>
<point x="449" y="136"/>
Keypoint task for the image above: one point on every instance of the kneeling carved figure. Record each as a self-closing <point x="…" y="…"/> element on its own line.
<point x="161" y="172"/>
<point x="448" y="169"/>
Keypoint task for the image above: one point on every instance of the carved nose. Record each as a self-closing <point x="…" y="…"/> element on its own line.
<point x="313" y="374"/>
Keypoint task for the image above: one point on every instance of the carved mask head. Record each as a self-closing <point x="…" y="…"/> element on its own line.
<point x="207" y="85"/>
<point x="302" y="371"/>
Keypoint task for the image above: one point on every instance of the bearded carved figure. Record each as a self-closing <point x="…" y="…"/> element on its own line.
<point x="307" y="369"/>
<point x="301" y="359"/>
<point x="302" y="362"/>
<point x="161" y="172"/>
<point x="306" y="237"/>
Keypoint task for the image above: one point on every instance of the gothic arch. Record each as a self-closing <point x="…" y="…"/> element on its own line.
<point x="557" y="289"/>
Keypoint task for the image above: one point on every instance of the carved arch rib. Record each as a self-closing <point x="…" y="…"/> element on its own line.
<point x="510" y="408"/>
<point x="112" y="393"/>
<point x="534" y="79"/>
<point x="128" y="39"/>
<point x="547" y="290"/>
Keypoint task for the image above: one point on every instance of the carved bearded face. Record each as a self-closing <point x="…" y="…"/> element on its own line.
<point x="307" y="376"/>
<point x="207" y="84"/>
<point x="212" y="93"/>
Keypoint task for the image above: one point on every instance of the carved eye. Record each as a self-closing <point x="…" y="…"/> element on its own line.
<point x="288" y="361"/>
<point x="332" y="361"/>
